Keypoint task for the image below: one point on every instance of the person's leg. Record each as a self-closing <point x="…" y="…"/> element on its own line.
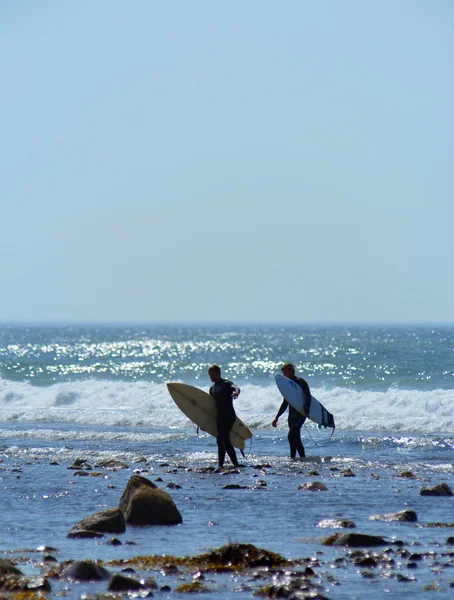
<point x="231" y="452"/>
<point x="295" y="422"/>
<point x="224" y="429"/>
<point x="221" y="450"/>
<point x="292" y="442"/>
<point x="300" y="447"/>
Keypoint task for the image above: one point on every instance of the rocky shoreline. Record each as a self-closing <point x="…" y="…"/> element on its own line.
<point x="243" y="570"/>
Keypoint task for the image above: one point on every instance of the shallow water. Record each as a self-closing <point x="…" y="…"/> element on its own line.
<point x="41" y="502"/>
<point x="98" y="392"/>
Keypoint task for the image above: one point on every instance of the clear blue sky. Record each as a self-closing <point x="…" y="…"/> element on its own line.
<point x="235" y="161"/>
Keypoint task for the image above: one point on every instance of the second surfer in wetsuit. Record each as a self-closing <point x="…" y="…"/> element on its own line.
<point x="224" y="391"/>
<point x="295" y="418"/>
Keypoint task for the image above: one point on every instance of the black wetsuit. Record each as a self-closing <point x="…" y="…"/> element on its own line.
<point x="296" y="419"/>
<point x="222" y="393"/>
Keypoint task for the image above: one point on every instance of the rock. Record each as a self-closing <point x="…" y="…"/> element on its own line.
<point x="406" y="474"/>
<point x="313" y="486"/>
<point x="121" y="583"/>
<point x="46" y="549"/>
<point x="7" y="568"/>
<point x="111" y="464"/>
<point x="85" y="570"/>
<point x="450" y="540"/>
<point x="300" y="589"/>
<point x="17" y="583"/>
<point x="143" y="503"/>
<point x="173" y="486"/>
<point x="234" y="486"/>
<point x="403" y="515"/>
<point x="80" y="463"/>
<point x="354" y="540"/>
<point x="347" y="473"/>
<point x="106" y="521"/>
<point x="114" y="542"/>
<point x="195" y="587"/>
<point x="442" y="489"/>
<point x="244" y="556"/>
<point x="336" y="523"/>
<point x="80" y="534"/>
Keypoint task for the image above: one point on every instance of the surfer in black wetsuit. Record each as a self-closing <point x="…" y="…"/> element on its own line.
<point x="295" y="418"/>
<point x="224" y="391"/>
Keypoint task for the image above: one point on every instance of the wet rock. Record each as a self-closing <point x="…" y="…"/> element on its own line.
<point x="313" y="486"/>
<point x="85" y="570"/>
<point x="121" y="583"/>
<point x="406" y="475"/>
<point x="403" y="515"/>
<point x="80" y="463"/>
<point x="337" y="523"/>
<point x="241" y="556"/>
<point x="105" y="521"/>
<point x="81" y="473"/>
<point x="17" y="583"/>
<point x="366" y="561"/>
<point x="347" y="473"/>
<point x="173" y="486"/>
<point x="205" y="469"/>
<point x="354" y="540"/>
<point x="7" y="568"/>
<point x="234" y="486"/>
<point x="114" y="542"/>
<point x="46" y="549"/>
<point x="301" y="589"/>
<point x="111" y="464"/>
<point x="442" y="489"/>
<point x="450" y="541"/>
<point x="195" y="587"/>
<point x="50" y="560"/>
<point x="143" y="503"/>
<point x="81" y="534"/>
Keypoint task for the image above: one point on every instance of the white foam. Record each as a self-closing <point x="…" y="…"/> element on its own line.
<point x="111" y="403"/>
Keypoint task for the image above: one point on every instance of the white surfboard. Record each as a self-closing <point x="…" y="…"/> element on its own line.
<point x="294" y="395"/>
<point x="200" y="407"/>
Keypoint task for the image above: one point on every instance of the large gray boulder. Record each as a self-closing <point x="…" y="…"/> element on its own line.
<point x="85" y="570"/>
<point x="106" y="521"/>
<point x="442" y="489"/>
<point x="354" y="540"/>
<point x="143" y="503"/>
<point x="7" y="568"/>
<point x="403" y="515"/>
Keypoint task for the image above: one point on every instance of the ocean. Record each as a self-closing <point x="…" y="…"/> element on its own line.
<point x="98" y="392"/>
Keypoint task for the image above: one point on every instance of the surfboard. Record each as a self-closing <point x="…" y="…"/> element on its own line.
<point x="294" y="395"/>
<point x="200" y="407"/>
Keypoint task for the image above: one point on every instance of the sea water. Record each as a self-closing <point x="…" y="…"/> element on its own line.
<point x="98" y="392"/>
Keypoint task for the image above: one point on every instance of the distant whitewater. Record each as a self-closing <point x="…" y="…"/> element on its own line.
<point x="372" y="379"/>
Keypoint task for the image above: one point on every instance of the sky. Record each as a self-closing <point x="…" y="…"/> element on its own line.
<point x="227" y="161"/>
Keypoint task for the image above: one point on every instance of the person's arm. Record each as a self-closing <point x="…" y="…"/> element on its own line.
<point x="235" y="391"/>
<point x="281" y="411"/>
<point x="307" y="394"/>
